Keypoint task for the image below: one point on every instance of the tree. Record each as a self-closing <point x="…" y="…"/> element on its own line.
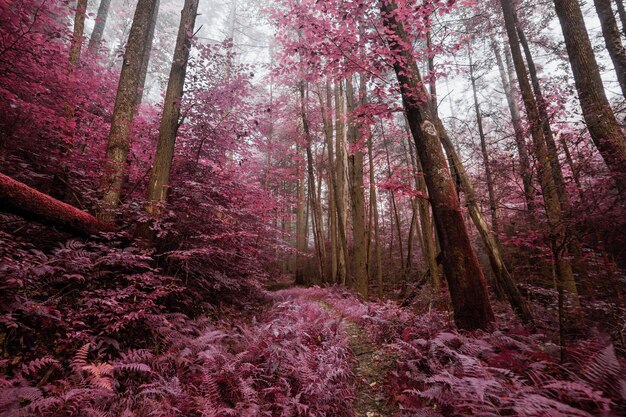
<point x="98" y="28"/>
<point x="124" y="110"/>
<point x="466" y="283"/>
<point x="612" y="40"/>
<point x="603" y="127"/>
<point x="159" y="176"/>
<point x="79" y="29"/>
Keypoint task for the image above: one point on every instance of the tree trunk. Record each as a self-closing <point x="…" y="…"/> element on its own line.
<point x="124" y="110"/>
<point x="612" y="40"/>
<point x="79" y="29"/>
<point x="327" y="121"/>
<point x="340" y="198"/>
<point x="98" y="29"/>
<point x="145" y="62"/>
<point x="159" y="177"/>
<point x="19" y="198"/>
<point x="493" y="206"/>
<point x="470" y="299"/>
<point x="546" y="180"/>
<point x="374" y="223"/>
<point x="520" y="142"/>
<point x="355" y="163"/>
<point x="301" y="224"/>
<point x="315" y="216"/>
<point x="621" y="11"/>
<point x="599" y="117"/>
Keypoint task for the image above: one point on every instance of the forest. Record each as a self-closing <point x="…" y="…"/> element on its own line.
<point x="310" y="208"/>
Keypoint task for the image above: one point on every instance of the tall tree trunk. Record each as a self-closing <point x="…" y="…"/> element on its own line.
<point x="542" y="107"/>
<point x="394" y="210"/>
<point x="612" y="40"/>
<point x="599" y="117"/>
<point x="159" y="177"/>
<point x="520" y="142"/>
<point x="19" y="198"/>
<point x="340" y="198"/>
<point x="546" y="180"/>
<point x="301" y="223"/>
<point x="145" y="63"/>
<point x="327" y="120"/>
<point x="79" y="29"/>
<point x="493" y="206"/>
<point x="621" y="11"/>
<point x="355" y="163"/>
<point x="374" y="216"/>
<point x="124" y="110"/>
<point x="98" y="29"/>
<point x="468" y="290"/>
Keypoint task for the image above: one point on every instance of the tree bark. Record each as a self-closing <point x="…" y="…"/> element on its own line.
<point x="79" y="29"/>
<point x="301" y="223"/>
<point x="124" y="110"/>
<point x="612" y="40"/>
<point x="621" y="11"/>
<point x="340" y="195"/>
<point x="17" y="197"/>
<point x="98" y="30"/>
<point x="355" y="163"/>
<point x="599" y="117"/>
<point x="159" y="176"/>
<point x="374" y="224"/>
<point x="468" y="290"/>
<point x="145" y="62"/>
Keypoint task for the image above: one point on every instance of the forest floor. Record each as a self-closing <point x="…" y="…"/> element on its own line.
<point x="371" y="369"/>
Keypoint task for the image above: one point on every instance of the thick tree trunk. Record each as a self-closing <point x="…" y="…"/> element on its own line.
<point x="601" y="122"/>
<point x="145" y="62"/>
<point x="470" y="299"/>
<point x="98" y="29"/>
<point x="520" y="142"/>
<point x="612" y="40"/>
<point x="544" y="168"/>
<point x="79" y="29"/>
<point x="159" y="177"/>
<point x="124" y="110"/>
<point x="19" y="198"/>
<point x="355" y="163"/>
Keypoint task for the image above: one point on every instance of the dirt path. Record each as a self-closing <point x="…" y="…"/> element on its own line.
<point x="373" y="364"/>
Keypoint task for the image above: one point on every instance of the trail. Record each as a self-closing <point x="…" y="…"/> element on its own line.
<point x="373" y="364"/>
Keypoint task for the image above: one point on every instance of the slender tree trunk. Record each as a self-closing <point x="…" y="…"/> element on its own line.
<point x="159" y="177"/>
<point x="603" y="127"/>
<point x="493" y="205"/>
<point x="355" y="163"/>
<point x="542" y="107"/>
<point x="340" y="199"/>
<point x="374" y="216"/>
<point x="520" y="142"/>
<point x="394" y="208"/>
<point x="621" y="11"/>
<point x="332" y="188"/>
<point x="546" y="180"/>
<point x="98" y="29"/>
<point x="145" y="63"/>
<point x="124" y="110"/>
<point x="470" y="299"/>
<point x="612" y="40"/>
<point x="79" y="29"/>
<point x="301" y="224"/>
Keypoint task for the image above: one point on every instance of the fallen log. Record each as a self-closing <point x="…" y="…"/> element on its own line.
<point x="18" y="198"/>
